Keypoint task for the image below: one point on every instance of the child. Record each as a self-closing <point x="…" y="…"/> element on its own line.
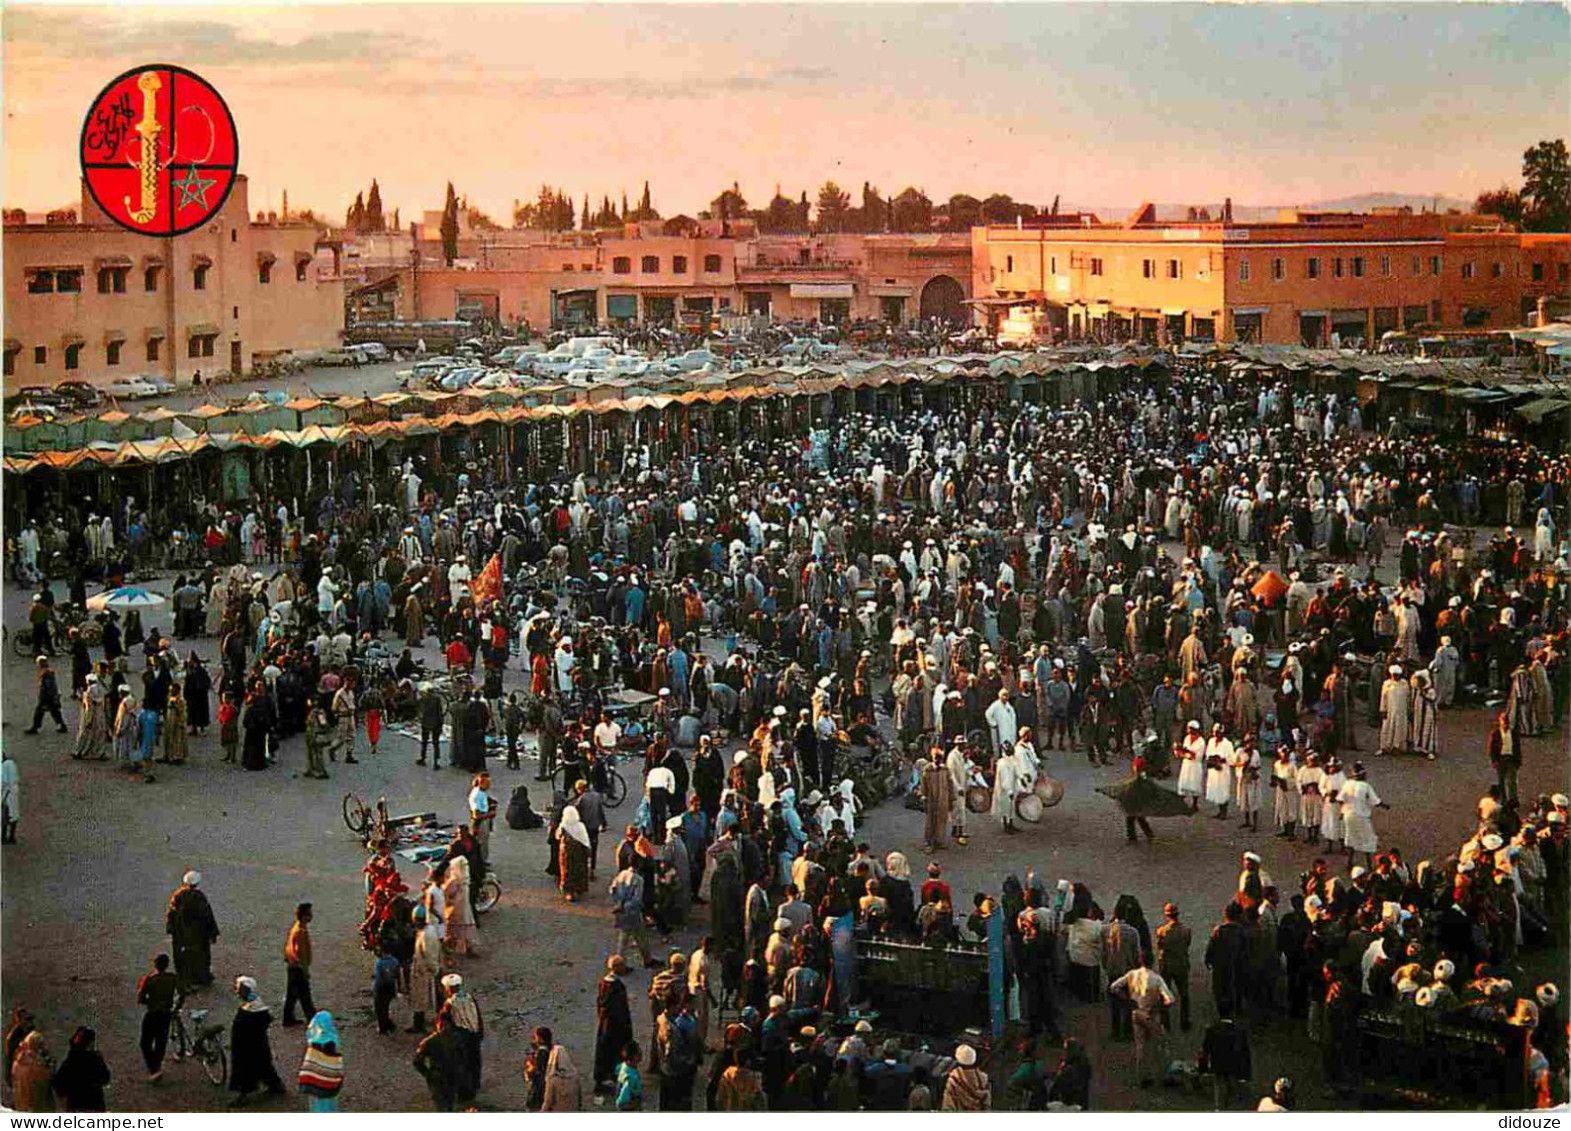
<point x="384" y="988"/>
<point x="229" y="728"/>
<point x="371" y="702"/>
<point x="629" y="1084"/>
<point x="513" y="717"/>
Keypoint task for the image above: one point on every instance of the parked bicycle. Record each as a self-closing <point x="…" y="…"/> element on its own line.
<point x="192" y="1034"/>
<point x="615" y="784"/>
<point x="490" y="893"/>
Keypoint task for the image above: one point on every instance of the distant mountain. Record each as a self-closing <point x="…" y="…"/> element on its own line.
<point x="1364" y="202"/>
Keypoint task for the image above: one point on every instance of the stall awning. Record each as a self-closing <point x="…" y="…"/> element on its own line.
<point x="1540" y="408"/>
<point x="114" y="336"/>
<point x="823" y="290"/>
<point x="201" y="330"/>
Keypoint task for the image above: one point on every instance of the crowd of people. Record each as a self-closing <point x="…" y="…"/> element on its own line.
<point x="1189" y="578"/>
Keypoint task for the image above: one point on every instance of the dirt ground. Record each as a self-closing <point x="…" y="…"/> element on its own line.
<point x="84" y="894"/>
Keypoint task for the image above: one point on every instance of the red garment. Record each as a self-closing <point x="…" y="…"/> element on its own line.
<point x="373" y="726"/>
<point x="539" y="676"/>
<point x="458" y="655"/>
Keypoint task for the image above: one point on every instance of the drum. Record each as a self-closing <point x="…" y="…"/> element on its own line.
<point x="1029" y="808"/>
<point x="1049" y="791"/>
<point x="979" y="799"/>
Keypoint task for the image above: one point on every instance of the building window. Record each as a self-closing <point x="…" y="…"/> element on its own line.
<point x="1467" y="270"/>
<point x="1175" y="269"/>
<point x="236" y="313"/>
<point x="69" y="282"/>
<point x="1336" y="267"/>
<point x="152" y="348"/>
<point x="234" y="235"/>
<point x="725" y="303"/>
<point x="73" y="355"/>
<point x="41" y="282"/>
<point x="621" y="265"/>
<point x="1096" y="266"/>
<point x="679" y="265"/>
<point x="1538" y="272"/>
<point x="264" y="273"/>
<point x="201" y="345"/>
<point x="40" y="355"/>
<point x="1435" y="312"/>
<point x="1312" y="267"/>
<point x="1278" y="269"/>
<point x="650" y="265"/>
<point x="1434" y="265"/>
<point x="300" y="266"/>
<point x="567" y="268"/>
<point x="1385" y="265"/>
<point x="112" y="353"/>
<point x="1497" y="270"/>
<point x="1358" y="266"/>
<point x="587" y="267"/>
<point x="10" y="362"/>
<point x="1243" y="270"/>
<point x="712" y="264"/>
<point x="111" y="280"/>
<point x="1418" y="265"/>
<point x="1148" y="268"/>
<point x="150" y="279"/>
<point x="1475" y="316"/>
<point x="1009" y="264"/>
<point x="199" y="277"/>
<point x="1053" y="269"/>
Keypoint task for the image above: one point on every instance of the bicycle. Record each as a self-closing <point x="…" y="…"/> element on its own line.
<point x="204" y="1041"/>
<point x="490" y="893"/>
<point x="615" y="784"/>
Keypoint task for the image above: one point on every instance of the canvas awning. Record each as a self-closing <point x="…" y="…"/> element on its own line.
<point x="201" y="330"/>
<point x="265" y="259"/>
<point x="71" y="338"/>
<point x="114" y="336"/>
<point x="153" y="333"/>
<point x="111" y="261"/>
<point x="1541" y="408"/>
<point x="823" y="290"/>
<point x="200" y="260"/>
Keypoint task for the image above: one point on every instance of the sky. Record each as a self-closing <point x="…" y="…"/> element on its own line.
<point x="1101" y="103"/>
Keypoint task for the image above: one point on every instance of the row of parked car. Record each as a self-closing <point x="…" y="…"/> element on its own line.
<point x="51" y="401"/>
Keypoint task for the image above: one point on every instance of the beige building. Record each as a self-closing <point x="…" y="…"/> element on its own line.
<point x="88" y="300"/>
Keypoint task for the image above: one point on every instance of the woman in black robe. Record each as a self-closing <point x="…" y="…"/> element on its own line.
<point x="613" y="1024"/>
<point x="250" y="1053"/>
<point x="198" y="684"/>
<point x="708" y="778"/>
<point x="257" y="719"/>
<point x="81" y="1079"/>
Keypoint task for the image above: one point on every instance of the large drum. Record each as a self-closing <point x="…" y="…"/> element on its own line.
<point x="1049" y="791"/>
<point x="1029" y="808"/>
<point x="979" y="799"/>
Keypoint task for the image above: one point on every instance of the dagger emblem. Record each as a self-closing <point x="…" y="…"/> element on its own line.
<point x="149" y="129"/>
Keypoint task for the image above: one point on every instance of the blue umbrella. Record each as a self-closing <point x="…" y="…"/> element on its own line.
<point x="126" y="597"/>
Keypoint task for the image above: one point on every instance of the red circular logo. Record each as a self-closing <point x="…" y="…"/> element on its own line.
<point x="159" y="150"/>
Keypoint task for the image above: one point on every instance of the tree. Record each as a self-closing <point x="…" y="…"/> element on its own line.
<point x="729" y="205"/>
<point x="355" y="221"/>
<point x="646" y="208"/>
<point x="450" y="226"/>
<point x="1504" y="202"/>
<point x="479" y="221"/>
<point x="964" y="212"/>
<point x="1000" y="208"/>
<point x="395" y="225"/>
<point x="833" y="204"/>
<point x="780" y="216"/>
<point x="802" y="213"/>
<point x="583" y="220"/>
<point x="1546" y="187"/>
<point x="374" y="221"/>
<point x="911" y="211"/>
<point x="873" y="216"/>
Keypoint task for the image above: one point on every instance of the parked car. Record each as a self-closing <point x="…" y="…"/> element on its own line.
<point x="375" y="351"/>
<point x="40" y="394"/>
<point x="161" y="387"/>
<point x="132" y="388"/>
<point x="460" y="378"/>
<point x="43" y="410"/>
<point x="80" y="393"/>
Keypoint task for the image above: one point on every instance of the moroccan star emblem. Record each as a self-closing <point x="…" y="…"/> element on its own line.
<point x="193" y="189"/>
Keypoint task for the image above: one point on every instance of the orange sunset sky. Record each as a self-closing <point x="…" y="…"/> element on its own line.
<point x="1106" y="104"/>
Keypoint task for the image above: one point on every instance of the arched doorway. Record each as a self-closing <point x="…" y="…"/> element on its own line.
<point x="943" y="297"/>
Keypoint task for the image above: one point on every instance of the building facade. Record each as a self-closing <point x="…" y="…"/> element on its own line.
<point x="670" y="271"/>
<point x="1308" y="278"/>
<point x="88" y="300"/>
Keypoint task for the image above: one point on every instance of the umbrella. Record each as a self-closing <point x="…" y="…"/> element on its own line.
<point x="126" y="597"/>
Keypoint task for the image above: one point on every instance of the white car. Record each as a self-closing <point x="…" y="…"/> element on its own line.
<point x="131" y="388"/>
<point x="495" y="379"/>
